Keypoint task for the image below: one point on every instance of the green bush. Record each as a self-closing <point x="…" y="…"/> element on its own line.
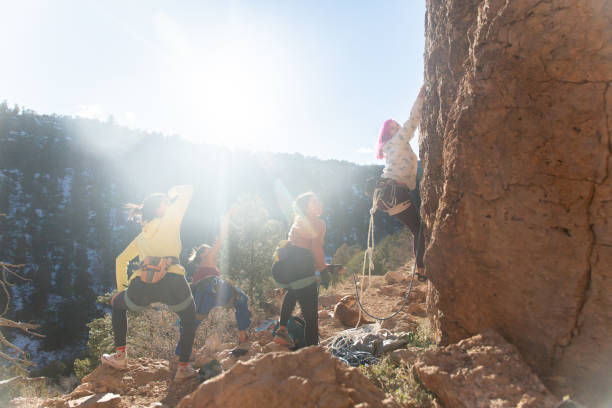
<point x="54" y="370"/>
<point x="100" y="341"/>
<point x="344" y="254"/>
<point x="393" y="252"/>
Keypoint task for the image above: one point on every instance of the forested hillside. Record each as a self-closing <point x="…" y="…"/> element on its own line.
<point x="64" y="182"/>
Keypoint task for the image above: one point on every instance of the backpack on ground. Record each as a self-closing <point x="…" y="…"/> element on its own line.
<point x="295" y="329"/>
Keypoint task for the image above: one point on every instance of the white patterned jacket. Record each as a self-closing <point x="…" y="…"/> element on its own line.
<point x="401" y="162"/>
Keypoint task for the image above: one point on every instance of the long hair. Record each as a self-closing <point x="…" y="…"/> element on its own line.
<point x="300" y="205"/>
<point x="383" y="138"/>
<point x="145" y="212"/>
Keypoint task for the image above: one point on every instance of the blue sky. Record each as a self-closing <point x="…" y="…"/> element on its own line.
<point x="314" y="77"/>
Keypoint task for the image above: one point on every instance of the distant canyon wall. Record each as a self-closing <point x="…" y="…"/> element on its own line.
<point x="517" y="193"/>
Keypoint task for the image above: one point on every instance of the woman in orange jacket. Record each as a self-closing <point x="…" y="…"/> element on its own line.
<point x="302" y="256"/>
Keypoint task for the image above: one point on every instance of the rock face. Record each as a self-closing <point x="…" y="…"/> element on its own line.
<point x="482" y="371"/>
<point x="310" y="377"/>
<point x="517" y="198"/>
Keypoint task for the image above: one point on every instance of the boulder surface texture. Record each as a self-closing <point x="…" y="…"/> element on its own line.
<point x="310" y="377"/>
<point x="482" y="371"/>
<point x="517" y="193"/>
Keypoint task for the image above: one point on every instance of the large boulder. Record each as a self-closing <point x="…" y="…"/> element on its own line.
<point x="517" y="198"/>
<point x="348" y="313"/>
<point x="310" y="377"/>
<point x="480" y="372"/>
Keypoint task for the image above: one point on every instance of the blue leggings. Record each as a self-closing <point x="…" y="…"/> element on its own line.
<point x="219" y="293"/>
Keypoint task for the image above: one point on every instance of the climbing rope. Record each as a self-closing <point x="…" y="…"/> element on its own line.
<point x="369" y="256"/>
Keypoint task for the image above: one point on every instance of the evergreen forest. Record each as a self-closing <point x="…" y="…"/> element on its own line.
<point x="64" y="183"/>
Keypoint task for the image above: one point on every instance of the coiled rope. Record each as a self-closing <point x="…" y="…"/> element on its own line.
<point x="368" y="257"/>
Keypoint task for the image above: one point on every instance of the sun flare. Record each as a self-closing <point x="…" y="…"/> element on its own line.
<point x="231" y="92"/>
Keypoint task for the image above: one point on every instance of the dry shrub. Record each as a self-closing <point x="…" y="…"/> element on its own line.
<point x="398" y="379"/>
<point x="154" y="333"/>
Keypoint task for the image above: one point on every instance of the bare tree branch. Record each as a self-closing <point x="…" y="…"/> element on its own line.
<point x="9" y="351"/>
<point x="20" y="358"/>
<point x="26" y="327"/>
<point x="7" y="270"/>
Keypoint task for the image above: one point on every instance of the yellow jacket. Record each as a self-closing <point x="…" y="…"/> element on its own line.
<point x="159" y="237"/>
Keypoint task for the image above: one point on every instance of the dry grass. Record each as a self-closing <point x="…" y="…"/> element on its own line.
<point x="154" y="333"/>
<point x="398" y="379"/>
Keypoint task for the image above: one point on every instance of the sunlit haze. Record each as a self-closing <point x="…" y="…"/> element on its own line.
<point x="314" y="77"/>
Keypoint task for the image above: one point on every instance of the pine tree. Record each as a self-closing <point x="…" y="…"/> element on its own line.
<point x="247" y="256"/>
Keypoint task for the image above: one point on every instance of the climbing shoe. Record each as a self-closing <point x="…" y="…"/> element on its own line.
<point x="421" y="275"/>
<point x="115" y="360"/>
<point x="239" y="352"/>
<point x="184" y="372"/>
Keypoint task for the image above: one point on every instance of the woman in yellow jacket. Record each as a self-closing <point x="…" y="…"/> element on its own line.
<point x="161" y="217"/>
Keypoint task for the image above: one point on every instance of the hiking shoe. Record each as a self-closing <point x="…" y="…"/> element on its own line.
<point x="421" y="275"/>
<point x="282" y="337"/>
<point x="184" y="372"/>
<point x="239" y="352"/>
<point x="115" y="360"/>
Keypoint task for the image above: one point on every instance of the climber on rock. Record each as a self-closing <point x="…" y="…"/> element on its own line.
<point x="159" y="276"/>
<point x="211" y="290"/>
<point x="296" y="262"/>
<point x="397" y="190"/>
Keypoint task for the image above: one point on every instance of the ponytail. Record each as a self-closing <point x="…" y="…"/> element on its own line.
<point x="194" y="254"/>
<point x="134" y="212"/>
<point x="145" y="212"/>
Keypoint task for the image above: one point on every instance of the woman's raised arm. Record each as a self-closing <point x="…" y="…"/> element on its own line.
<point x="407" y="131"/>
<point x="181" y="196"/>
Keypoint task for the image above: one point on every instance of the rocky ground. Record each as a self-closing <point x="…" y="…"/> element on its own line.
<point x="383" y="297"/>
<point x="481" y="371"/>
<point x="147" y="382"/>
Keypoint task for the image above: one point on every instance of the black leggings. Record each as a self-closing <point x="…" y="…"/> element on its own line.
<point x="173" y="291"/>
<point x="392" y="191"/>
<point x="411" y="218"/>
<point x="309" y="303"/>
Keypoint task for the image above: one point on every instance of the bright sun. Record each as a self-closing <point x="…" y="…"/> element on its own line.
<point x="232" y="92"/>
